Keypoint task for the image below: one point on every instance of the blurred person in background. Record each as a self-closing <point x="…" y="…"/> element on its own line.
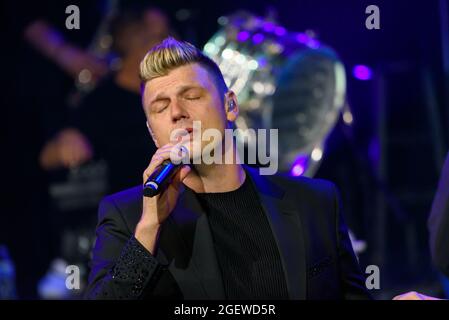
<point x="107" y="143"/>
<point x="34" y="96"/>
<point x="133" y="30"/>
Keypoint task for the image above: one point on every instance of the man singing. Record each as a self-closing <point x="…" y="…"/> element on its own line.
<point x="220" y="230"/>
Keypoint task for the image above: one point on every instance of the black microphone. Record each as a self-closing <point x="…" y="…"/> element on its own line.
<point x="162" y="175"/>
<point x="159" y="179"/>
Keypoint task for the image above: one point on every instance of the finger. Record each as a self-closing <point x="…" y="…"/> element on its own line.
<point x="158" y="158"/>
<point x="179" y="153"/>
<point x="166" y="152"/>
<point x="184" y="172"/>
<point x="162" y="153"/>
<point x="156" y="161"/>
<point x="165" y="147"/>
<point x="162" y="156"/>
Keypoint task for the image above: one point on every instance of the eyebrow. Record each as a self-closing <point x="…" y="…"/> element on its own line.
<point x="181" y="90"/>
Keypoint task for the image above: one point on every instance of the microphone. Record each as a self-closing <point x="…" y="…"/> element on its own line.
<point x="159" y="179"/>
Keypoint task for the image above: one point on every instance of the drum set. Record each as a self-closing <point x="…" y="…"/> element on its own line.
<point x="286" y="80"/>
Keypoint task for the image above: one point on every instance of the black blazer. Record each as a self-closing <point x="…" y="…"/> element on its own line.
<point x="305" y="218"/>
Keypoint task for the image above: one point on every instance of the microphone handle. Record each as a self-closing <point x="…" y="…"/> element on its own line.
<point x="159" y="179"/>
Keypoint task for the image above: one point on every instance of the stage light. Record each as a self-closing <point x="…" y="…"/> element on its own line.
<point x="347" y="117"/>
<point x="85" y="76"/>
<point x="252" y="65"/>
<point x="227" y="53"/>
<point x="280" y="31"/>
<point x="240" y="59"/>
<point x="222" y="21"/>
<point x="302" y="38"/>
<point x="210" y="48"/>
<point x="220" y="40"/>
<point x="243" y="36"/>
<point x="268" y="27"/>
<point x="313" y="43"/>
<point x="280" y="77"/>
<point x="258" y="38"/>
<point x="299" y="166"/>
<point x="297" y="170"/>
<point x="362" y="72"/>
<point x="317" y="154"/>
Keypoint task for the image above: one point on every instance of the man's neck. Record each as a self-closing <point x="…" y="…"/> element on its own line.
<point x="215" y="178"/>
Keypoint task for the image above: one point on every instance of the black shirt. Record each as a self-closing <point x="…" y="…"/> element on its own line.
<point x="246" y="249"/>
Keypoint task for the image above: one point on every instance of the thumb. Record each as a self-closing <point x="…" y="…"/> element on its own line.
<point x="184" y="172"/>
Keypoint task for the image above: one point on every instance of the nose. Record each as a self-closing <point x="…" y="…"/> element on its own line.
<point x="178" y="111"/>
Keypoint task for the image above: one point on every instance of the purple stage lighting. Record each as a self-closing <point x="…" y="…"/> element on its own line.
<point x="243" y="36"/>
<point x="313" y="43"/>
<point x="302" y="38"/>
<point x="258" y="38"/>
<point x="299" y="166"/>
<point x="280" y="31"/>
<point x="268" y="27"/>
<point x="362" y="72"/>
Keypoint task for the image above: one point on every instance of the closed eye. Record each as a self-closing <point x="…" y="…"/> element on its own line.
<point x="161" y="109"/>
<point x="159" y="105"/>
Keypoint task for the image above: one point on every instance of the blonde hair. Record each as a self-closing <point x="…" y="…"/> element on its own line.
<point x="171" y="54"/>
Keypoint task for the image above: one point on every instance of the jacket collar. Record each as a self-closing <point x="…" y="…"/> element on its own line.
<point x="279" y="205"/>
<point x="194" y="243"/>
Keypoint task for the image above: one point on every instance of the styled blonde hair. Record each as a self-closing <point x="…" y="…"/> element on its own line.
<point x="171" y="54"/>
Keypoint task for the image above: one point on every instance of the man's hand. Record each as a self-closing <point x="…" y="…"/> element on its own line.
<point x="70" y="58"/>
<point x="74" y="148"/>
<point x="69" y="149"/>
<point x="159" y="207"/>
<point x="413" y="295"/>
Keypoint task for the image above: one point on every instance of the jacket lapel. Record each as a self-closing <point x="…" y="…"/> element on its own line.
<point x="287" y="231"/>
<point x="188" y="240"/>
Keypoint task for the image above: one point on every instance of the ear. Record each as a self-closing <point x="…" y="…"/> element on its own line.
<point x="152" y="135"/>
<point x="231" y="106"/>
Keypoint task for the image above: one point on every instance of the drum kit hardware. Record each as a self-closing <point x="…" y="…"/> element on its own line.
<point x="284" y="80"/>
